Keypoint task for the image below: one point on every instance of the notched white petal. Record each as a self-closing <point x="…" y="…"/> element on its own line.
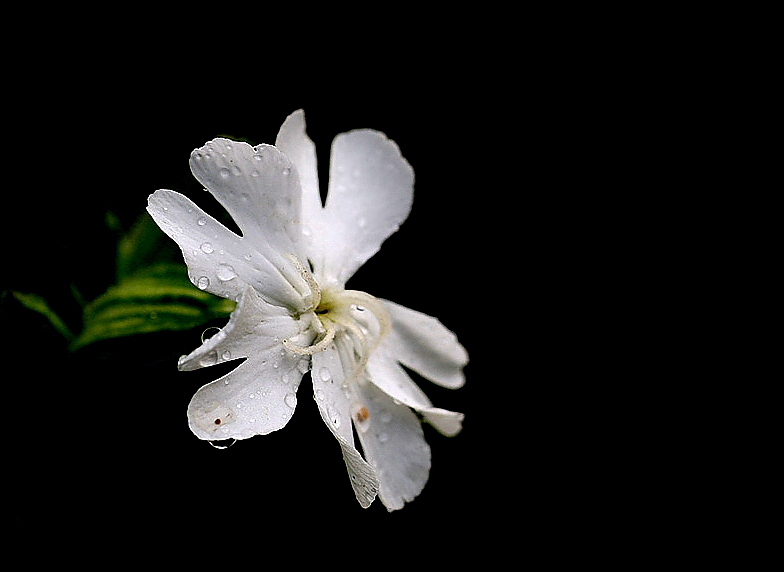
<point x="395" y="446"/>
<point x="254" y="326"/>
<point x="256" y="398"/>
<point x="219" y="261"/>
<point x="333" y="397"/>
<point x="258" y="186"/>
<point x="293" y="140"/>
<point x="388" y="376"/>
<point x="448" y="423"/>
<point x="422" y="343"/>
<point x="371" y="188"/>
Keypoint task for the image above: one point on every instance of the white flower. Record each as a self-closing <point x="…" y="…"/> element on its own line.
<point x="288" y="273"/>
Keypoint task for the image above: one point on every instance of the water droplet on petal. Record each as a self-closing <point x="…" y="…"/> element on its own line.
<point x="320" y="394"/>
<point x="226" y="273"/>
<point x="207" y="248"/>
<point x="225" y="173"/>
<point x="203" y="283"/>
<point x="383" y="437"/>
<point x="226" y="355"/>
<point x="202" y="221"/>
<point x="290" y="400"/>
<point x="325" y="375"/>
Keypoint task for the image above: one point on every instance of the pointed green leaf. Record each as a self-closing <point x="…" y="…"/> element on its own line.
<point x="154" y="299"/>
<point x="142" y="246"/>
<point x="38" y="304"/>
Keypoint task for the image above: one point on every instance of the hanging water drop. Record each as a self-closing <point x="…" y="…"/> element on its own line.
<point x="226" y="273"/>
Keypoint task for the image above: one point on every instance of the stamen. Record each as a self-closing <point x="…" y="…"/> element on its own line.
<point x="315" y="348"/>
<point x="380" y="312"/>
<point x="312" y="284"/>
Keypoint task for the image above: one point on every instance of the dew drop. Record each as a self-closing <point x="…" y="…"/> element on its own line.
<point x="290" y="400"/>
<point x="303" y="365"/>
<point x="225" y="173"/>
<point x="235" y="170"/>
<point x="385" y="417"/>
<point x="226" y="355"/>
<point x="202" y="221"/>
<point x="207" y="248"/>
<point x="383" y="437"/>
<point x="222" y="443"/>
<point x="226" y="273"/>
<point x="203" y="283"/>
<point x="320" y="394"/>
<point x="325" y="375"/>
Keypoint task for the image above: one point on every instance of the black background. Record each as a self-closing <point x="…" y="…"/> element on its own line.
<point x="102" y="433"/>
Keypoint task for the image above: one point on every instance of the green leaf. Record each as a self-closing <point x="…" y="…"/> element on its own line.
<point x="38" y="304"/>
<point x="142" y="246"/>
<point x="153" y="299"/>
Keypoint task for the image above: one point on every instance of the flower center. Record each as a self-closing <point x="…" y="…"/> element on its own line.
<point x="361" y="318"/>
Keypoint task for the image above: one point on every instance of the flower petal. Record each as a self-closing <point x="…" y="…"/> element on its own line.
<point x="257" y="397"/>
<point x="254" y="326"/>
<point x="333" y="397"/>
<point x="259" y="188"/>
<point x="388" y="376"/>
<point x="422" y="343"/>
<point x="299" y="148"/>
<point x="394" y="444"/>
<point x="218" y="260"/>
<point x="371" y="187"/>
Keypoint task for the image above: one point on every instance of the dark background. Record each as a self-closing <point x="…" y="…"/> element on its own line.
<point x="102" y="432"/>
